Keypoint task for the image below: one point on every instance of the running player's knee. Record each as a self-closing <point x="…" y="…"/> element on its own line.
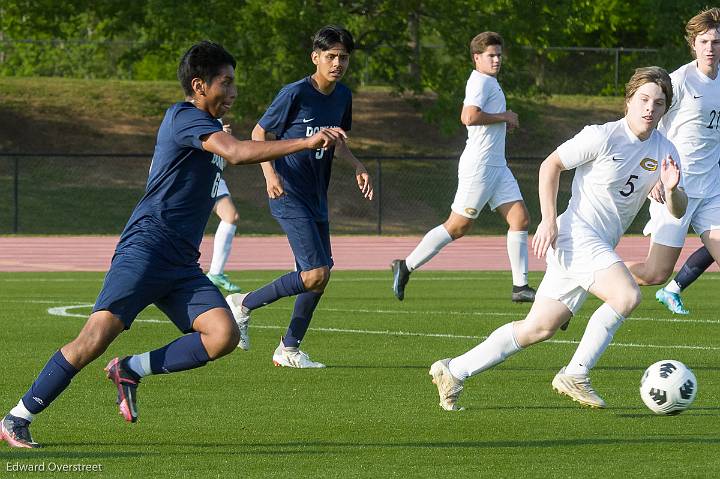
<point x="223" y="339"/>
<point x="457" y="230"/>
<point x="528" y="334"/>
<point x="626" y="302"/>
<point x="544" y="333"/>
<point x="235" y="218"/>
<point x="316" y="279"/>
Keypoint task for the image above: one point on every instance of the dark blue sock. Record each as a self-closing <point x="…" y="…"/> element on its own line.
<point x="288" y="284"/>
<point x="305" y="305"/>
<point x="186" y="352"/>
<point x="695" y="265"/>
<point x="52" y="380"/>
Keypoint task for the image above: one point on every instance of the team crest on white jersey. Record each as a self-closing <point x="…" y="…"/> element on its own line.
<point x="649" y="164"/>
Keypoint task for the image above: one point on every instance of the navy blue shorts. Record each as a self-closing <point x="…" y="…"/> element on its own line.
<point x="309" y="241"/>
<point x="137" y="280"/>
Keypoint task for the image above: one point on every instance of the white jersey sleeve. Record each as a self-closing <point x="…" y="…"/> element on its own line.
<point x="584" y="147"/>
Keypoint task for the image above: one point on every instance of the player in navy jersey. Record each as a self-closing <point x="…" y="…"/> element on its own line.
<point x="156" y="259"/>
<point x="297" y="186"/>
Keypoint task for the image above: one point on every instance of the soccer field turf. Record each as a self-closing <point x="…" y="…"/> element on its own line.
<point x="373" y="412"/>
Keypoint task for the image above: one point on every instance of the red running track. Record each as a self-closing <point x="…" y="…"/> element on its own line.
<point x="93" y="253"/>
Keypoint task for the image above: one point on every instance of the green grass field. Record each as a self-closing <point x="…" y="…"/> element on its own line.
<point x="373" y="412"/>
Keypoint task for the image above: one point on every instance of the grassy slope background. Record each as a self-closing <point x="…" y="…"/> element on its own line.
<point x="96" y="195"/>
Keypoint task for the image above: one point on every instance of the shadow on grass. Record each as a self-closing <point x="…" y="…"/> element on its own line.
<point x="51" y="451"/>
<point x="320" y="447"/>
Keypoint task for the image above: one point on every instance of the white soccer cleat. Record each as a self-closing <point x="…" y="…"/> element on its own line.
<point x="449" y="387"/>
<point x="578" y="388"/>
<point x="242" y="318"/>
<point x="293" y="358"/>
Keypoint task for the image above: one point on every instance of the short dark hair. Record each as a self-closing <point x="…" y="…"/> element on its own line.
<point x="203" y="60"/>
<point x="330" y="35"/>
<point x="483" y="40"/>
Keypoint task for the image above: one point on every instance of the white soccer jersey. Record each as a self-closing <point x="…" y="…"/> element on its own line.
<point x="693" y="124"/>
<point x="486" y="143"/>
<point x="614" y="172"/>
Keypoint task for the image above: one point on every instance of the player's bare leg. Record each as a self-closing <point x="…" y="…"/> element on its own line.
<point x="657" y="267"/>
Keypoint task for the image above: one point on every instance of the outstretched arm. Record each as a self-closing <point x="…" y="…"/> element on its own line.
<point x="361" y="174"/>
<point x="237" y="152"/>
<point x="549" y="183"/>
<point x="675" y="198"/>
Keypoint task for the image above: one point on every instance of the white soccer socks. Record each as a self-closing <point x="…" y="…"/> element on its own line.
<point x="222" y="246"/>
<point x="431" y="244"/>
<point x="499" y="346"/>
<point x="517" y="248"/>
<point x="598" y="334"/>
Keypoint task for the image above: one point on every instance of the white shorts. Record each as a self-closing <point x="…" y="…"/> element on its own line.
<point x="703" y="214"/>
<point x="571" y="273"/>
<point x="222" y="190"/>
<point x="478" y="186"/>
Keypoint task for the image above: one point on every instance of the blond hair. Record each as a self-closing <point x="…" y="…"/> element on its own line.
<point x="644" y="75"/>
<point x="702" y="22"/>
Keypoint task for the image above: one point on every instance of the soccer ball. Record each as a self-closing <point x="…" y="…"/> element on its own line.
<point x="668" y="387"/>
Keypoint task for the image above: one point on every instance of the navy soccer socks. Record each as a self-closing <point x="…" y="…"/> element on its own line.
<point x="186" y="352"/>
<point x="305" y="305"/>
<point x="52" y="380"/>
<point x="288" y="284"/>
<point x="695" y="265"/>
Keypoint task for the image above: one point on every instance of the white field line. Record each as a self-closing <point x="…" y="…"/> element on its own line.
<point x="63" y="311"/>
<point x="391" y="311"/>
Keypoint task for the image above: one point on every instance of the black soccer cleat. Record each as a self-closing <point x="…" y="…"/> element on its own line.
<point x="16" y="432"/>
<point x="565" y="325"/>
<point x="523" y="294"/>
<point x="401" y="275"/>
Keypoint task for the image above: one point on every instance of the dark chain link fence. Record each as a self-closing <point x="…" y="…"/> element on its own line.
<point x="95" y="194"/>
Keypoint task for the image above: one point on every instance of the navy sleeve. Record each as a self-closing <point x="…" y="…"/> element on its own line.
<point x="276" y="116"/>
<point x="190" y="124"/>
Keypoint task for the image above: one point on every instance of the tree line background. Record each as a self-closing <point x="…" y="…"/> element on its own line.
<point x="411" y="46"/>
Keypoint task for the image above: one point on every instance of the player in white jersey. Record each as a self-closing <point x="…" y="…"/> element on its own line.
<point x="693" y="125"/>
<point x="222" y="244"/>
<point x="483" y="175"/>
<point x="616" y="165"/>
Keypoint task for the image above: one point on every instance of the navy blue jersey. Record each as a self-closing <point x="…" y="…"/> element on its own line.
<point x="300" y="111"/>
<point x="170" y="218"/>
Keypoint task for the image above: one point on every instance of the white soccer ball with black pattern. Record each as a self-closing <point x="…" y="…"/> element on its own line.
<point x="668" y="387"/>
